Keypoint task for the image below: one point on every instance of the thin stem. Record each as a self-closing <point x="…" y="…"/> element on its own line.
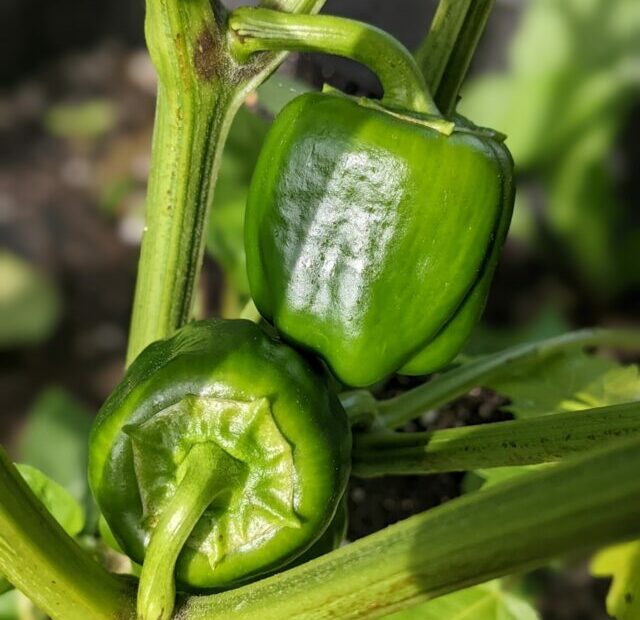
<point x="403" y="85"/>
<point x="520" y="442"/>
<point x="397" y="411"/>
<point x="578" y="505"/>
<point x="206" y="474"/>
<point x="41" y="560"/>
<point x="446" y="53"/>
<point x="200" y="89"/>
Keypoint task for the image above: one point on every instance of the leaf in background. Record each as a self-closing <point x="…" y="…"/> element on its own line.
<point x="553" y="91"/>
<point x="30" y="305"/>
<point x="225" y="240"/>
<point x="549" y="322"/>
<point x="568" y="382"/>
<point x="488" y="601"/>
<point x="86" y="120"/>
<point x="279" y="90"/>
<point x="563" y="105"/>
<point x="622" y="564"/>
<point x="56" y="499"/>
<point x="9" y="606"/>
<point x="55" y="439"/>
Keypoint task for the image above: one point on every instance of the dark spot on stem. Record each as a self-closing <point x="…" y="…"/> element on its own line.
<point x="207" y="55"/>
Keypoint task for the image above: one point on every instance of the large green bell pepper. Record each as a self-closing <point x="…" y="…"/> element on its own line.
<point x="372" y="237"/>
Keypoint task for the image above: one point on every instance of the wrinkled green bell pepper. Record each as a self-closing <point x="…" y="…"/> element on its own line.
<point x="372" y="237"/>
<point x="223" y="403"/>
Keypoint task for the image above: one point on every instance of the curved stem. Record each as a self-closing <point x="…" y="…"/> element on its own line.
<point x="206" y="473"/>
<point x="397" y="411"/>
<point x="549" y="438"/>
<point x="403" y="85"/>
<point x="45" y="563"/>
<point x="568" y="508"/>
<point x="447" y="51"/>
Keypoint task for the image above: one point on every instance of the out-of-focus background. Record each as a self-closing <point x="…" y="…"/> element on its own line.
<point x="560" y="77"/>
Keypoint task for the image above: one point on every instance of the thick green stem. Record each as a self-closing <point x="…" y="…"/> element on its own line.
<point x="397" y="411"/>
<point x="549" y="438"/>
<point x="259" y="30"/>
<point x="42" y="561"/>
<point x="207" y="470"/>
<point x="446" y="53"/>
<point x="200" y="89"/>
<point x="578" y="505"/>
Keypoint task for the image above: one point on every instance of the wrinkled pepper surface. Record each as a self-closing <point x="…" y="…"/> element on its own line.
<point x="221" y="399"/>
<point x="372" y="237"/>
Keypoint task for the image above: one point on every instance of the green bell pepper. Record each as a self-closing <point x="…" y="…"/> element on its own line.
<point x="372" y="236"/>
<point x="221" y="453"/>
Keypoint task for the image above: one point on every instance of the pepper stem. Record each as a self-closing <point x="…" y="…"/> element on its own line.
<point x="404" y="87"/>
<point x="206" y="474"/>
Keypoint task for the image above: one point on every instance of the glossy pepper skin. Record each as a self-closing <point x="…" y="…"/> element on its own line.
<point x="286" y="436"/>
<point x="371" y="238"/>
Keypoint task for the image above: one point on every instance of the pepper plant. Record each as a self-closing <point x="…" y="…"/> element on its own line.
<point x="373" y="229"/>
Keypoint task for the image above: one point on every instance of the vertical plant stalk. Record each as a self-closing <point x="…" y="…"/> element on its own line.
<point x="575" y="506"/>
<point x="446" y="53"/>
<point x="200" y="89"/>
<point x="42" y="561"/>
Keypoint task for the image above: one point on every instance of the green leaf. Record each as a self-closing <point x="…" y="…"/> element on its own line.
<point x="279" y="90"/>
<point x="56" y="499"/>
<point x="89" y="119"/>
<point x="568" y="382"/>
<point x="30" y="305"/>
<point x="487" y="478"/>
<point x="489" y="601"/>
<point x="225" y="239"/>
<point x="55" y="439"/>
<point x="622" y="563"/>
<point x="9" y="606"/>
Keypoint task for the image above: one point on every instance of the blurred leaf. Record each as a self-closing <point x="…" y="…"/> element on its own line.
<point x="89" y="119"/>
<point x="554" y="91"/>
<point x="225" y="240"/>
<point x="9" y="606"/>
<point x="55" y="440"/>
<point x="30" y="305"/>
<point x="279" y="90"/>
<point x="56" y="499"/>
<point x="622" y="564"/>
<point x="549" y="322"/>
<point x="488" y="601"/>
<point x="563" y="104"/>
<point x="568" y="382"/>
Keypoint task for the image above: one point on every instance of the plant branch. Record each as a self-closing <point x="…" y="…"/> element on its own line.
<point x="578" y="505"/>
<point x="200" y="90"/>
<point x="42" y="561"/>
<point x="446" y="53"/>
<point x="259" y="30"/>
<point x="548" y="438"/>
<point x="397" y="411"/>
